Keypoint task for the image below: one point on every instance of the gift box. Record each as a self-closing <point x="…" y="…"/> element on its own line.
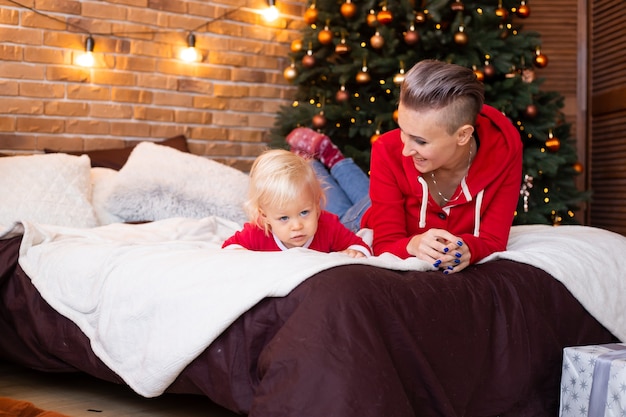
<point x="593" y="382"/>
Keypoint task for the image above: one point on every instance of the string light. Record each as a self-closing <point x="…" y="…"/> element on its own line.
<point x="190" y="53"/>
<point x="86" y="59"/>
<point x="271" y="13"/>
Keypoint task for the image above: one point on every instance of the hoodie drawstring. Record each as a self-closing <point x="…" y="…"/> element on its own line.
<point x="425" y="193"/>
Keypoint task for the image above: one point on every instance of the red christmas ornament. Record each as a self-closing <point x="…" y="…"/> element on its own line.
<point x="342" y="95"/>
<point x="553" y="144"/>
<point x="411" y="36"/>
<point x="377" y="41"/>
<point x="348" y="9"/>
<point x="523" y="10"/>
<point x="308" y="60"/>
<point x="310" y="15"/>
<point x="531" y="111"/>
<point x="384" y="17"/>
<point x="342" y="47"/>
<point x="457" y="6"/>
<point x="319" y="120"/>
<point x="489" y="70"/>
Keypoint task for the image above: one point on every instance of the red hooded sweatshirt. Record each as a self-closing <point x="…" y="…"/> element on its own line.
<point x="402" y="206"/>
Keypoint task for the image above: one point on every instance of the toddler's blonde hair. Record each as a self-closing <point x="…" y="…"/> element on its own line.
<point x="278" y="177"/>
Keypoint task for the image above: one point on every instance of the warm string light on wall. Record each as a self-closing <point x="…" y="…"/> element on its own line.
<point x="188" y="54"/>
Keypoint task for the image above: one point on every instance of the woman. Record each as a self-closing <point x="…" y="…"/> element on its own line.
<point x="444" y="185"/>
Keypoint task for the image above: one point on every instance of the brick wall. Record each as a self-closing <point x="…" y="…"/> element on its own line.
<point x="138" y="89"/>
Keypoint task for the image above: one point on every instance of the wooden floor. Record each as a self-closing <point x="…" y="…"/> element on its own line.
<point x="79" y="395"/>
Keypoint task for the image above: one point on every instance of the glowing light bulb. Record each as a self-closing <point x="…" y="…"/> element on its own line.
<point x="271" y="13"/>
<point x="87" y="59"/>
<point x="190" y="53"/>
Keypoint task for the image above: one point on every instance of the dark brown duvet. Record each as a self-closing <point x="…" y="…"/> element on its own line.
<point x="354" y="341"/>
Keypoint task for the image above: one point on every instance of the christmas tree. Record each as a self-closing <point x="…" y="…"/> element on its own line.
<point x="351" y="58"/>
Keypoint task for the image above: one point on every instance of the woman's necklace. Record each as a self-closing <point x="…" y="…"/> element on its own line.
<point x="453" y="198"/>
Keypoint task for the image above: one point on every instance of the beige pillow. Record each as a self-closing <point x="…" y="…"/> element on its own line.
<point x="50" y="189"/>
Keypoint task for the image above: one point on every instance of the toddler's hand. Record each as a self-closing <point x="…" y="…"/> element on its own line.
<point x="353" y="253"/>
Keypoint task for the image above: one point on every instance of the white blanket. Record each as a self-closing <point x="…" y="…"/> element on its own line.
<point x="152" y="297"/>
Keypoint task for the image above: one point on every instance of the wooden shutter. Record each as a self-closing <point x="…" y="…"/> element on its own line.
<point x="607" y="155"/>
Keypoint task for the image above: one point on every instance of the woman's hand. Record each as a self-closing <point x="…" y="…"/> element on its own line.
<point x="445" y="251"/>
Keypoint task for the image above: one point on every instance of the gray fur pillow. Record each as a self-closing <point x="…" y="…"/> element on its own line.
<point x="159" y="182"/>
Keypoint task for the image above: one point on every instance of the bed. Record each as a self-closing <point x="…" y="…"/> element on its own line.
<point x="126" y="282"/>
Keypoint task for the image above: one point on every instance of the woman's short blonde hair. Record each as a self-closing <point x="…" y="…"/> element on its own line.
<point x="278" y="177"/>
<point x="437" y="85"/>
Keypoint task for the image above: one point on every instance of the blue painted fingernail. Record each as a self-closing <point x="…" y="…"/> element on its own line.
<point x="459" y="243"/>
<point x="445" y="271"/>
<point x="457" y="261"/>
<point x="437" y="263"/>
<point x="445" y="250"/>
<point x="450" y="268"/>
<point x="458" y="254"/>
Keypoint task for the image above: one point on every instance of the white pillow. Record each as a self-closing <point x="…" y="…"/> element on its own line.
<point x="159" y="182"/>
<point x="49" y="188"/>
<point x="102" y="181"/>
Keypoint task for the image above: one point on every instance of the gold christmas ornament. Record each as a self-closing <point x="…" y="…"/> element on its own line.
<point x="578" y="167"/>
<point x="290" y="73"/>
<point x="296" y="45"/>
<point x="460" y="37"/>
<point x="363" y="77"/>
<point x="348" y="9"/>
<point x="540" y="61"/>
<point x="480" y="76"/>
<point x="399" y="77"/>
<point x="371" y="18"/>
<point x="375" y="137"/>
<point x="420" y="18"/>
<point x="310" y="15"/>
<point x="325" y="36"/>
<point x="501" y="12"/>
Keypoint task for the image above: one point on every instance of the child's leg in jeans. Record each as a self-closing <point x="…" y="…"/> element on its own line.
<point x="355" y="184"/>
<point x="337" y="201"/>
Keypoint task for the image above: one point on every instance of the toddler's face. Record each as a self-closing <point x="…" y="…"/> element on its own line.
<point x="295" y="222"/>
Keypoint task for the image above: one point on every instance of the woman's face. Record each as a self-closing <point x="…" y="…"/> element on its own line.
<point x="425" y="138"/>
